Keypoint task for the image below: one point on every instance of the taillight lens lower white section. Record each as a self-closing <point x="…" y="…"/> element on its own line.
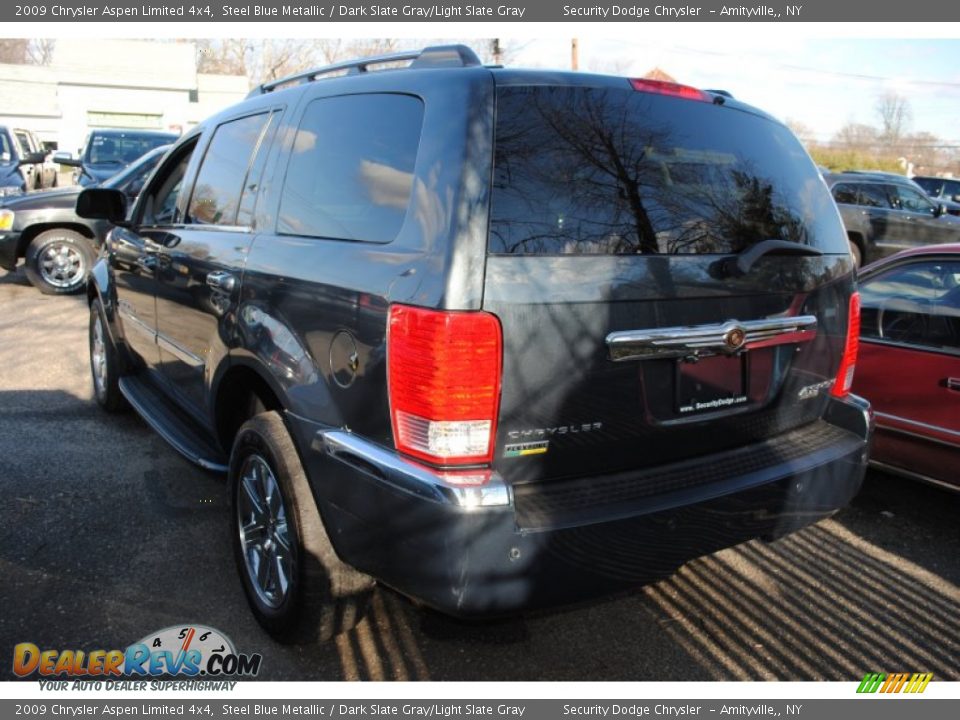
<point x="444" y="439"/>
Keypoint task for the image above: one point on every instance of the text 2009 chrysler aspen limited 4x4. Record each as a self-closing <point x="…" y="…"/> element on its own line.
<point x="498" y="339"/>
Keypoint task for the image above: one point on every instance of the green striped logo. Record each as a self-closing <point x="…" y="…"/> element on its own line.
<point x="895" y="683"/>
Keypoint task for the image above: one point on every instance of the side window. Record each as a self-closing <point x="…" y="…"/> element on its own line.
<point x="24" y="142"/>
<point x="931" y="186"/>
<point x="951" y="190"/>
<point x="873" y="195"/>
<point x="350" y="175"/>
<point x="159" y="206"/>
<point x="5" y="151"/>
<point x="914" y="304"/>
<point x="223" y="174"/>
<point x="912" y="201"/>
<point x="845" y="193"/>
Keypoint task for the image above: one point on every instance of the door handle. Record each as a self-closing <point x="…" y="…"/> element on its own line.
<point x="220" y="280"/>
<point x="952" y="384"/>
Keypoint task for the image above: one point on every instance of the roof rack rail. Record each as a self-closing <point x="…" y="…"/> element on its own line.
<point x="437" y="56"/>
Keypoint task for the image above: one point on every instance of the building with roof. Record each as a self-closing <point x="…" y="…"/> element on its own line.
<point x="112" y="83"/>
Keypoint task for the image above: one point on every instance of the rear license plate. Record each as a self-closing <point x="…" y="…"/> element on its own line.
<point x="712" y="383"/>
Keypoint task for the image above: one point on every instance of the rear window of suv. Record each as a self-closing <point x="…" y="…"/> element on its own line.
<point x="351" y="172"/>
<point x="607" y="171"/>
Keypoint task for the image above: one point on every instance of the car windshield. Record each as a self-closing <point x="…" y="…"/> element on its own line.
<point x="136" y="172"/>
<point x="121" y="149"/>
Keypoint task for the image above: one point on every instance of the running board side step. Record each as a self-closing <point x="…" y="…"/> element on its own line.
<point x="178" y="430"/>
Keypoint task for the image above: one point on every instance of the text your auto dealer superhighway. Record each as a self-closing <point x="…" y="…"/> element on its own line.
<point x="630" y="11"/>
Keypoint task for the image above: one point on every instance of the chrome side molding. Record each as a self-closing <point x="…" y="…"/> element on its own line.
<point x="727" y="337"/>
<point x="466" y="489"/>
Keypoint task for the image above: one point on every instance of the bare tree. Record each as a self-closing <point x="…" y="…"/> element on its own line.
<point x="223" y="57"/>
<point x="20" y="51"/>
<point x="857" y="136"/>
<point x="13" y="51"/>
<point x="803" y="131"/>
<point x="40" y="51"/>
<point x="895" y="115"/>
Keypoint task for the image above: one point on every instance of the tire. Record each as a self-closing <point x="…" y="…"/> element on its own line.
<point x="58" y="261"/>
<point x="104" y="363"/>
<point x="857" y="255"/>
<point x="323" y="596"/>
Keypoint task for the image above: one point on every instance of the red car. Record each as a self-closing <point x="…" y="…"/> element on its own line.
<point x="909" y="362"/>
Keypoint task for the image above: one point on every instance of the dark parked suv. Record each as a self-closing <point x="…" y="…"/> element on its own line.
<point x="885" y="213"/>
<point x="499" y="339"/>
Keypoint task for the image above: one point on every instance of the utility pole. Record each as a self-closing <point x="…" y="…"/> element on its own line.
<point x="574" y="54"/>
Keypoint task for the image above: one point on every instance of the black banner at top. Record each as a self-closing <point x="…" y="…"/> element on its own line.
<point x="578" y="11"/>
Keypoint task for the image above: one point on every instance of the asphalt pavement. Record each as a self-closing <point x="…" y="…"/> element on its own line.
<point x="107" y="535"/>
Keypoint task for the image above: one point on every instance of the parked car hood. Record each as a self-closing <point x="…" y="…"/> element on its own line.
<point x="98" y="173"/>
<point x="58" y="198"/>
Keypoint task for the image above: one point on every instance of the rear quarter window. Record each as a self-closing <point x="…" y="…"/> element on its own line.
<point x="610" y="171"/>
<point x="845" y="193"/>
<point x="351" y="173"/>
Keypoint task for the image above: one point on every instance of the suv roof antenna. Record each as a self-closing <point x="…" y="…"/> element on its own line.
<point x="437" y="56"/>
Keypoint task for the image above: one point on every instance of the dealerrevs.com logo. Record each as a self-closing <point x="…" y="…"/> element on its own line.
<point x="190" y="651"/>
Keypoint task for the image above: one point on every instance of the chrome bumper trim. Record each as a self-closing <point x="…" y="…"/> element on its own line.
<point x="428" y="483"/>
<point x="729" y="337"/>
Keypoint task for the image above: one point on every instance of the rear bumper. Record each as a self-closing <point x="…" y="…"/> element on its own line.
<point x="465" y="551"/>
<point x="9" y="241"/>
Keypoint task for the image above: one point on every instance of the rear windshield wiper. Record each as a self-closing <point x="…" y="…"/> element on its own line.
<point x="742" y="262"/>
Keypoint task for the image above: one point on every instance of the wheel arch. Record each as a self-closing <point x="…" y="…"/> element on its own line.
<point x="240" y="392"/>
<point x="31" y="231"/>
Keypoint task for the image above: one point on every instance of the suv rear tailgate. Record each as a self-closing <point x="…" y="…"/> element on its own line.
<point x="617" y="211"/>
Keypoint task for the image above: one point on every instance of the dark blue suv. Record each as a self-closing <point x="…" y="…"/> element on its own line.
<point x="499" y="339"/>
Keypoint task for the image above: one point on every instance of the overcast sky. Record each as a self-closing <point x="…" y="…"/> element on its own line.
<point x="824" y="83"/>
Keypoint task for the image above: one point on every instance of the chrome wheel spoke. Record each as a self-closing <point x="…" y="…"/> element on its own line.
<point x="252" y="494"/>
<point x="254" y="533"/>
<point x="281" y="572"/>
<point x="282" y="537"/>
<point x="264" y="572"/>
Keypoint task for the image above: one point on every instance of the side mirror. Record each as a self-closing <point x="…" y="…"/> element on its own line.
<point x="33" y="158"/>
<point x="65" y="158"/>
<point x="103" y="204"/>
<point x="940" y="210"/>
<point x="956" y="198"/>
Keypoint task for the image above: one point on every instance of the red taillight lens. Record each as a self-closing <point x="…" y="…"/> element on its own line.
<point x="443" y="370"/>
<point x="843" y="383"/>
<point x="659" y="87"/>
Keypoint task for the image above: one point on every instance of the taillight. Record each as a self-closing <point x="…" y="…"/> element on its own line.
<point x="843" y="383"/>
<point x="443" y="371"/>
<point x="659" y="87"/>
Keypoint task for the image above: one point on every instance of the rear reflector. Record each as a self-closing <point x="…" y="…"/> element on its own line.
<point x="443" y="371"/>
<point x="843" y="383"/>
<point x="660" y="87"/>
